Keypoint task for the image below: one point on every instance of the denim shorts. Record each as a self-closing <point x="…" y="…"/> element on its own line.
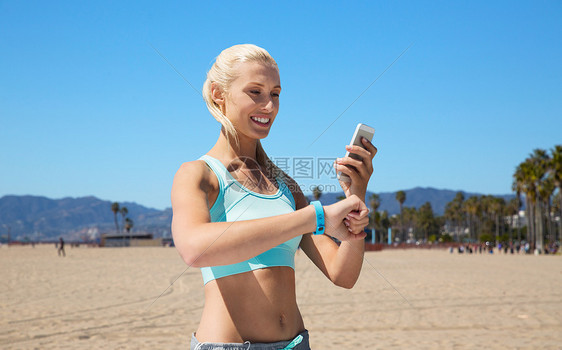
<point x="300" y="342"/>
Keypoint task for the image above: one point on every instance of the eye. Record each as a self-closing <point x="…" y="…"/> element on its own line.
<point x="255" y="92"/>
<point x="275" y="94"/>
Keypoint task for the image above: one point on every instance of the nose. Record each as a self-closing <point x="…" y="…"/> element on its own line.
<point x="269" y="105"/>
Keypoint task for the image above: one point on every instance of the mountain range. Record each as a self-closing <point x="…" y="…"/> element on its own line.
<point x="85" y="218"/>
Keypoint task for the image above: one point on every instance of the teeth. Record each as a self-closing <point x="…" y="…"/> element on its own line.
<point x="261" y="120"/>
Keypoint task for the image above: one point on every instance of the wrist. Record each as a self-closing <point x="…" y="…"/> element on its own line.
<point x="320" y="218"/>
<point x="360" y="194"/>
<point x="310" y="225"/>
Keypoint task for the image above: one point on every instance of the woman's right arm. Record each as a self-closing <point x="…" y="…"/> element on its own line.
<point x="201" y="242"/>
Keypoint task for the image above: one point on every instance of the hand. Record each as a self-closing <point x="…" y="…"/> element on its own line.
<point x="346" y="219"/>
<point x="359" y="171"/>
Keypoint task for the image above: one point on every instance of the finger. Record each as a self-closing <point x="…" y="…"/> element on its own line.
<point x="362" y="166"/>
<point x="358" y="226"/>
<point x="358" y="214"/>
<point x="355" y="226"/>
<point x="356" y="217"/>
<point x="372" y="151"/>
<point x="366" y="157"/>
<point x="359" y="236"/>
<point x="349" y="172"/>
<point x="358" y="166"/>
<point x="355" y="230"/>
<point x="360" y="151"/>
<point x="349" y="161"/>
<point x="370" y="147"/>
<point x="361" y="208"/>
<point x="358" y="223"/>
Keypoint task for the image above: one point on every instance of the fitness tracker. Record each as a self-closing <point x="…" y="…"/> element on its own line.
<point x="319" y="217"/>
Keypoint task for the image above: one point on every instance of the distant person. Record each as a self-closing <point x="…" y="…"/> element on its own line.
<point x="61" y="247"/>
<point x="240" y="218"/>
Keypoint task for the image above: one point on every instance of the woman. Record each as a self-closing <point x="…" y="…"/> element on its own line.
<point x="240" y="218"/>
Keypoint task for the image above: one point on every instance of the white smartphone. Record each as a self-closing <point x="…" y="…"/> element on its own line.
<point x="361" y="130"/>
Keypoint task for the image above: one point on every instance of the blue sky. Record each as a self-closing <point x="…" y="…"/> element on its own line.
<point x="88" y="107"/>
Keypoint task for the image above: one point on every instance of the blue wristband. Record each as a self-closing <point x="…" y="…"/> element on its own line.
<point x="319" y="217"/>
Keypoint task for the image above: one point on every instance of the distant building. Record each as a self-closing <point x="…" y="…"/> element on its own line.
<point x="129" y="240"/>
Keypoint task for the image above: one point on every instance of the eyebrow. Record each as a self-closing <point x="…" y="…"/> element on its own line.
<point x="256" y="83"/>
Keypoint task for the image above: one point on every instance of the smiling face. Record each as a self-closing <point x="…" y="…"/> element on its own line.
<point x="252" y="100"/>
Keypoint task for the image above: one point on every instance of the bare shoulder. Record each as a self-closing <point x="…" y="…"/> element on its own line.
<point x="190" y="196"/>
<point x="194" y="175"/>
<point x="194" y="170"/>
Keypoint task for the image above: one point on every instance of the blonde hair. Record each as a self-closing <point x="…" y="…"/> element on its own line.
<point x="223" y="72"/>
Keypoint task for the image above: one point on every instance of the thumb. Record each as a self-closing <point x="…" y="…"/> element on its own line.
<point x="363" y="210"/>
<point x="359" y="206"/>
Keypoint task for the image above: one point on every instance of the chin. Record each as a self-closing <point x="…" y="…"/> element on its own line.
<point x="262" y="136"/>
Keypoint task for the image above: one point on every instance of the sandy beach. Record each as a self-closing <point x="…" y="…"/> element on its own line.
<point x="119" y="299"/>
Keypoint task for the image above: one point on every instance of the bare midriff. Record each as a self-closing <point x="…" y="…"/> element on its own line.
<point x="258" y="306"/>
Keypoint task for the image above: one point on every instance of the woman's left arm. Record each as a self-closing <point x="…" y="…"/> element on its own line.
<point x="340" y="264"/>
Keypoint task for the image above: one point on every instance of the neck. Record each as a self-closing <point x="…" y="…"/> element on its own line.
<point x="246" y="148"/>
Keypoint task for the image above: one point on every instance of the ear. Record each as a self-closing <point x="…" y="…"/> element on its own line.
<point x="217" y="94"/>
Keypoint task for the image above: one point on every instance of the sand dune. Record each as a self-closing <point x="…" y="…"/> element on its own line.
<point x="119" y="299"/>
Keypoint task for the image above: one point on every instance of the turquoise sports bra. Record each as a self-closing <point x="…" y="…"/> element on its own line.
<point x="235" y="203"/>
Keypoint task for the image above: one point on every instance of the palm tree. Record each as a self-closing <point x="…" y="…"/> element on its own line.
<point x="546" y="190"/>
<point x="115" y="210"/>
<point x="496" y="209"/>
<point x="385" y="224"/>
<point x="410" y="216"/>
<point x="401" y="198"/>
<point x="124" y="211"/>
<point x="485" y="215"/>
<point x="540" y="161"/>
<point x="523" y="183"/>
<point x="394" y="221"/>
<point x="450" y="215"/>
<point x="556" y="176"/>
<point x="531" y="178"/>
<point x="454" y="213"/>
<point x="426" y="219"/>
<point x="316" y="192"/>
<point x="473" y="207"/>
<point x="374" y="202"/>
<point x="557" y="207"/>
